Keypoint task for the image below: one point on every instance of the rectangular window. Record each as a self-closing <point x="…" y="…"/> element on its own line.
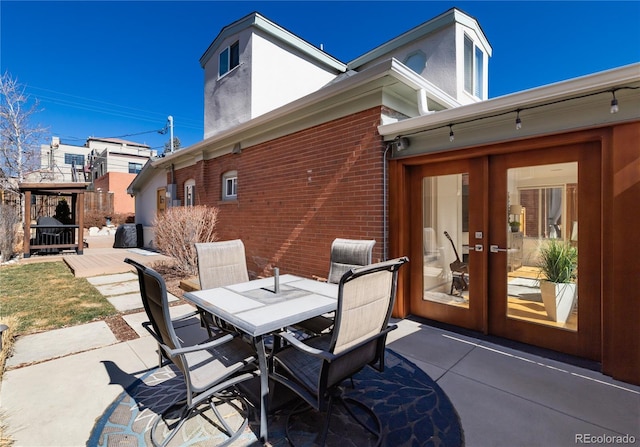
<point x="74" y="159"/>
<point x="473" y="68"/>
<point x="229" y="59"/>
<point x="479" y="72"/>
<point x="189" y="194"/>
<point x="468" y="64"/>
<point x="230" y="185"/>
<point x="134" y="168"/>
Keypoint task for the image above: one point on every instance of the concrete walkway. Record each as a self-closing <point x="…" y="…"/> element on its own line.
<point x="58" y="383"/>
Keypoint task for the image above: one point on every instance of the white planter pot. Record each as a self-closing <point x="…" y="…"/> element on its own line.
<point x="558" y="299"/>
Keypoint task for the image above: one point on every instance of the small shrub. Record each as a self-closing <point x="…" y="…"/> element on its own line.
<point x="97" y="218"/>
<point x="9" y="221"/>
<point x="179" y="228"/>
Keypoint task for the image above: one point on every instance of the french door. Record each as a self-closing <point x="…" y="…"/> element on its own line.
<point x="477" y="229"/>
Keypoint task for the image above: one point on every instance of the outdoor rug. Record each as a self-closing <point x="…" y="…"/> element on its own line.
<point x="413" y="410"/>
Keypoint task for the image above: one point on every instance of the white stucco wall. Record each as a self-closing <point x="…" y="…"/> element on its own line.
<point x="146" y="206"/>
<point x="280" y="75"/>
<point x="227" y="100"/>
<point x="270" y="75"/>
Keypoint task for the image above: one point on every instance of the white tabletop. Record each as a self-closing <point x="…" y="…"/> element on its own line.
<point x="254" y="308"/>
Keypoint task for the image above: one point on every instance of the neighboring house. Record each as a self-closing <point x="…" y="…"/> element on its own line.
<point x="116" y="155"/>
<point x="402" y="145"/>
<point x="63" y="163"/>
<point x="108" y="164"/>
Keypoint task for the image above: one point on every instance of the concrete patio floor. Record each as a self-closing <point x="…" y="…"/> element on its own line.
<point x="59" y="382"/>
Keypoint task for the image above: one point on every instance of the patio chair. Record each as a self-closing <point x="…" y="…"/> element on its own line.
<point x="345" y="254"/>
<point x="315" y="368"/>
<point x="211" y="368"/>
<point x="220" y="264"/>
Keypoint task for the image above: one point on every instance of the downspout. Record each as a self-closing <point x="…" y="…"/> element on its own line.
<point x="423" y="108"/>
<point x="384" y="203"/>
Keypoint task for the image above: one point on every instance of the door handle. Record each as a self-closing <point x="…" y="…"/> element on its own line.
<point x="478" y="247"/>
<point x="496" y="249"/>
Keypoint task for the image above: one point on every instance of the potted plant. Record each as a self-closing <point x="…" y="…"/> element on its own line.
<point x="515" y="226"/>
<point x="558" y="265"/>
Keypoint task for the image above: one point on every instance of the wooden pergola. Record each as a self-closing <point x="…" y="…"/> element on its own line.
<point x="44" y="238"/>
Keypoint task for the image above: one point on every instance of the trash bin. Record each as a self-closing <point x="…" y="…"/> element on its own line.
<point x="128" y="236"/>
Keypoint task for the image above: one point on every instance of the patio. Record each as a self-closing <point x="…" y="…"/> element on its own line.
<point x="504" y="396"/>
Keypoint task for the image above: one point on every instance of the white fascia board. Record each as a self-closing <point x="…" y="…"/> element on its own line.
<point x="417" y="82"/>
<point x="617" y="77"/>
<point x="449" y="17"/>
<point x="472" y="23"/>
<point x="258" y="21"/>
<point x="222" y="143"/>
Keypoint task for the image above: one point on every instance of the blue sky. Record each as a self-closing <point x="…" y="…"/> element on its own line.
<point x="119" y="68"/>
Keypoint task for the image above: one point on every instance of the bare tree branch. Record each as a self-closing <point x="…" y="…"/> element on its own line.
<point x="19" y="138"/>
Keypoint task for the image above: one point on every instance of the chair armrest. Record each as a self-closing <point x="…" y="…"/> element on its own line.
<point x="298" y="344"/>
<point x="294" y="342"/>
<point x="194" y="348"/>
<point x="199" y="347"/>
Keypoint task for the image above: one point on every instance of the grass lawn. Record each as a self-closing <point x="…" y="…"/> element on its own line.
<point x="44" y="296"/>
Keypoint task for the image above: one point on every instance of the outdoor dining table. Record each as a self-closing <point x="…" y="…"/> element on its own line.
<point x="264" y="306"/>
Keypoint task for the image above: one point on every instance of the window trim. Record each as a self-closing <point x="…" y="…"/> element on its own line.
<point x="137" y="167"/>
<point x="231" y="57"/>
<point x="473" y="68"/>
<point x="230" y="176"/>
<point x="414" y="55"/>
<point x="190" y="185"/>
<point x="71" y="158"/>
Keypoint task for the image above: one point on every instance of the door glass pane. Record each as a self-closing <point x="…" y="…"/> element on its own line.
<point x="542" y="216"/>
<point x="445" y="240"/>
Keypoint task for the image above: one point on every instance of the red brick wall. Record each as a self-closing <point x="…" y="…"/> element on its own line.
<point x="298" y="193"/>
<point x="117" y="182"/>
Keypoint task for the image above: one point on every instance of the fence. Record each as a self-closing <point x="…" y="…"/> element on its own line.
<point x="43" y="205"/>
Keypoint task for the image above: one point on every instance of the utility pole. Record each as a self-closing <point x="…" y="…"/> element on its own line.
<point x="170" y="118"/>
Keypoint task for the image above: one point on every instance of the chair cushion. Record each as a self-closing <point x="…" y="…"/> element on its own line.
<point x="304" y="367"/>
<point x="213" y="365"/>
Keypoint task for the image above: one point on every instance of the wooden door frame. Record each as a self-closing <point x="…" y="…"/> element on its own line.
<point x="400" y="242"/>
<point x="474" y="318"/>
<point x="585" y="342"/>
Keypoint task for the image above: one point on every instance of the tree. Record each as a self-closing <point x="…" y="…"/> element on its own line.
<point x="176" y="145"/>
<point x="19" y="138"/>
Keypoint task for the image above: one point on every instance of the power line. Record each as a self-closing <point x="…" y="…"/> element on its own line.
<point x="120" y="110"/>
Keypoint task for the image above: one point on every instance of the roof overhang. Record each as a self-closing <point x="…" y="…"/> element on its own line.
<point x="54" y="189"/>
<point x="447" y="18"/>
<point x="139" y="180"/>
<point x="354" y="93"/>
<point x="258" y="21"/>
<point x="551" y="108"/>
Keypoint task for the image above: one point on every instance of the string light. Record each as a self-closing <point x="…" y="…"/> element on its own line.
<point x="614" y="102"/>
<point x="614" y="109"/>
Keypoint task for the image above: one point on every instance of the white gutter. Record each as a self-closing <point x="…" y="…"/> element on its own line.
<point x="604" y="80"/>
<point x="389" y="68"/>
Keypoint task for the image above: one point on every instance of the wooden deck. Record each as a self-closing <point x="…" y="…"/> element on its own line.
<point x="99" y="258"/>
<point x="107" y="261"/>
